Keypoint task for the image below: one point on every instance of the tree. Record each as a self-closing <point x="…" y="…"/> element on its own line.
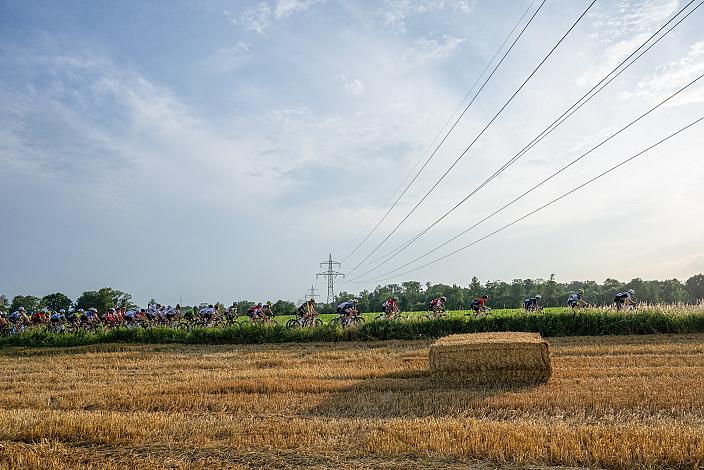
<point x="695" y="287"/>
<point x="4" y="304"/>
<point x="29" y="302"/>
<point x="56" y="301"/>
<point x="283" y="307"/>
<point x="104" y="299"/>
<point x="475" y="288"/>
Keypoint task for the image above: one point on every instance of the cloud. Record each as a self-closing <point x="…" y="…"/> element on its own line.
<point x="352" y="86"/>
<point x="355" y="87"/>
<point x="427" y="50"/>
<point x="621" y="31"/>
<point x="257" y="18"/>
<point x="672" y="77"/>
<point x="288" y="7"/>
<point x="260" y="17"/>
<point x="395" y="13"/>
<point x="465" y="6"/>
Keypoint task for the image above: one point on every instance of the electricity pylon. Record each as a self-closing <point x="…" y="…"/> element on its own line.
<point x="331" y="274"/>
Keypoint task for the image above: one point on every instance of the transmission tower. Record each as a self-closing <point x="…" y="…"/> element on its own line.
<point x="311" y="293"/>
<point x="331" y="274"/>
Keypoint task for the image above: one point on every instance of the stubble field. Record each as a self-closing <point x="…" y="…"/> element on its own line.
<point x="626" y="402"/>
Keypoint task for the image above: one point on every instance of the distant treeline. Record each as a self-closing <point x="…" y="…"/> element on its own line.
<point x="415" y="296"/>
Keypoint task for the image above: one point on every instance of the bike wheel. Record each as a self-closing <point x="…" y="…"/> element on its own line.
<point x="292" y="324"/>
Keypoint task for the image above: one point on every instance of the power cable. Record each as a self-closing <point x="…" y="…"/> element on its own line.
<point x="459" y="106"/>
<point x="548" y="130"/>
<point x="549" y="203"/>
<point x="478" y="135"/>
<point x="541" y="183"/>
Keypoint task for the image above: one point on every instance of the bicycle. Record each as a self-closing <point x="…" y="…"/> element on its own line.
<point x="393" y="315"/>
<point x="348" y="318"/>
<point x="436" y="311"/>
<point x="305" y="321"/>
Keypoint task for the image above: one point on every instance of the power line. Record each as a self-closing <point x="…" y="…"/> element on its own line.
<point x="541" y="183"/>
<point x="459" y="106"/>
<point x="599" y="86"/>
<point x="551" y="202"/>
<point x="478" y="135"/>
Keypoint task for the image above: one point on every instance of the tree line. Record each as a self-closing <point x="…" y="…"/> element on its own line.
<point x="414" y="296"/>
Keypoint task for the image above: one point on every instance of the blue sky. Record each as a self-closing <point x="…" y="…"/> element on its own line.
<point x="220" y="150"/>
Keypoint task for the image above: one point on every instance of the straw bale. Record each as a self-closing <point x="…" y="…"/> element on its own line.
<point x="492" y="357"/>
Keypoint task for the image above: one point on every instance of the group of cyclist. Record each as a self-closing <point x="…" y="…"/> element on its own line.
<point x="207" y="315"/>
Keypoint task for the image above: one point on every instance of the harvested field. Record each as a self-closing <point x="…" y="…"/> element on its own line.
<point x="618" y="402"/>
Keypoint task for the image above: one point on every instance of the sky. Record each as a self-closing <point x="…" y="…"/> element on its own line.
<point x="218" y="151"/>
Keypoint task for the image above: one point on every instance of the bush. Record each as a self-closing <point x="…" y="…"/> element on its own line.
<point x="549" y="323"/>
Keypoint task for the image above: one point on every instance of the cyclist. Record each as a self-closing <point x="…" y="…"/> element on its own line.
<point x="348" y="308"/>
<point x="479" y="305"/>
<point x="576" y="300"/>
<point x="76" y="317"/>
<point x="267" y="310"/>
<point x="91" y="316"/>
<point x="40" y="317"/>
<point x="307" y="309"/>
<point x="624" y="299"/>
<point x="57" y="320"/>
<point x="207" y="313"/>
<point x="18" y="318"/>
<point x="532" y="303"/>
<point x="306" y="313"/>
<point x="131" y="317"/>
<point x="390" y="307"/>
<point x="438" y="305"/>
<point x="232" y="311"/>
<point x="110" y="318"/>
<point x="170" y="314"/>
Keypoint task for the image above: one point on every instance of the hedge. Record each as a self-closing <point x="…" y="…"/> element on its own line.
<point x="564" y="323"/>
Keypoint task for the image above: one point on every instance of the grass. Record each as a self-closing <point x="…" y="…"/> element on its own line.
<point x="550" y="323"/>
<point x="613" y="401"/>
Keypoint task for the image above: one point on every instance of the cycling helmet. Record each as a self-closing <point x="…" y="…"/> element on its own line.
<point x="312" y="301"/>
<point x="63" y="310"/>
<point x="538" y="296"/>
<point x="485" y="297"/>
<point x="443" y="298"/>
<point x="631" y="291"/>
<point x="21" y="309"/>
<point x="581" y="291"/>
<point x="81" y="310"/>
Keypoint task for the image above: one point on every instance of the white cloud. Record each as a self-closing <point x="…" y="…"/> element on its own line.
<point x="352" y="86"/>
<point x="465" y="6"/>
<point x="621" y="31"/>
<point x="288" y="7"/>
<point x="261" y="16"/>
<point x="426" y="50"/>
<point x="395" y="13"/>
<point x="355" y="87"/>
<point x="672" y="77"/>
<point x="257" y="18"/>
